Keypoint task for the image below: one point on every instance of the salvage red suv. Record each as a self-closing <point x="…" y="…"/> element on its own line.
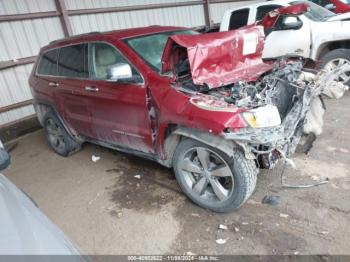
<point x="205" y="105"/>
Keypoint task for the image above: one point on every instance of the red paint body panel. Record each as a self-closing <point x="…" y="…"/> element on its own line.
<point x="271" y="18"/>
<point x="340" y="7"/>
<point x="222" y="58"/>
<point x="119" y="109"/>
<point x="73" y="105"/>
<point x="146" y="110"/>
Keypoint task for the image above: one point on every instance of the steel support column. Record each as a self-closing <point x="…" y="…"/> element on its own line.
<point x="61" y="7"/>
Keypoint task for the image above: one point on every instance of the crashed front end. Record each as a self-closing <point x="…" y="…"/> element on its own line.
<point x="278" y="102"/>
<point x="277" y="111"/>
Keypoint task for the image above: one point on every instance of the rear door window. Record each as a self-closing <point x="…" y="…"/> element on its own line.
<point x="263" y="10"/>
<point x="48" y="63"/>
<point x="239" y="18"/>
<point x="73" y="61"/>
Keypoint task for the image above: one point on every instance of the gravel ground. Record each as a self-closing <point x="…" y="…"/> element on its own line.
<point x="105" y="209"/>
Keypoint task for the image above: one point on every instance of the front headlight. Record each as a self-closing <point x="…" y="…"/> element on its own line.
<point x="265" y="116"/>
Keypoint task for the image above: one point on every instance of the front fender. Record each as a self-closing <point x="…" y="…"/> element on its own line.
<point x="219" y="142"/>
<point x="208" y="139"/>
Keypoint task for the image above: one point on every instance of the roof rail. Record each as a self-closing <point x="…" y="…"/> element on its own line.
<point x="74" y="36"/>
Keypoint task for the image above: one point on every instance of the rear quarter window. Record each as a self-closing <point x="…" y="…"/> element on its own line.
<point x="263" y="10"/>
<point x="48" y="63"/>
<point x="239" y="18"/>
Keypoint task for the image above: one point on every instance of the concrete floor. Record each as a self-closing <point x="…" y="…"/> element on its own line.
<point x="104" y="209"/>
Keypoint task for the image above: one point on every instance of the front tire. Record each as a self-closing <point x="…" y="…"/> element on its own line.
<point x="57" y="136"/>
<point x="212" y="179"/>
<point x="336" y="58"/>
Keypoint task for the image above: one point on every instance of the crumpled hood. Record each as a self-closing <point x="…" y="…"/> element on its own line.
<point x="218" y="59"/>
<point x="339" y="17"/>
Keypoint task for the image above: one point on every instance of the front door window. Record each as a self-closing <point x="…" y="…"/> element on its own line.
<point x="103" y="56"/>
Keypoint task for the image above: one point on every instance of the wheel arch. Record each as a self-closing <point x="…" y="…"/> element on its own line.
<point x="41" y="110"/>
<point x="174" y="137"/>
<point x="43" y="107"/>
<point x="330" y="46"/>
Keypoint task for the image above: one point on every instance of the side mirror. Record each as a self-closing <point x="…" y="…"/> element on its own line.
<point x="291" y="22"/>
<point x="118" y="72"/>
<point x="4" y="158"/>
<point x="330" y="7"/>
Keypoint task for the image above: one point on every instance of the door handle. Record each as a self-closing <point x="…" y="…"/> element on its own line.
<point x="54" y="84"/>
<point x="91" y="89"/>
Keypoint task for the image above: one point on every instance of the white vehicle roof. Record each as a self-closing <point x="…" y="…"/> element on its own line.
<point x="255" y="5"/>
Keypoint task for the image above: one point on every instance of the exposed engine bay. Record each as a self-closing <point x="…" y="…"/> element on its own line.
<point x="278" y="100"/>
<point x="279" y="87"/>
<point x="280" y="107"/>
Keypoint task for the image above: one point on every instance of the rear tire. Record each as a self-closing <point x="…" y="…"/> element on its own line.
<point x="336" y="58"/>
<point x="57" y="136"/>
<point x="221" y="185"/>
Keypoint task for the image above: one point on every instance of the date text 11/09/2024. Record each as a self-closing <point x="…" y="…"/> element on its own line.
<point x="174" y="258"/>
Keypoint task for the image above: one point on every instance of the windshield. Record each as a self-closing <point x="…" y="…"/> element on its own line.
<point x="346" y="2"/>
<point x="316" y="13"/>
<point x="150" y="48"/>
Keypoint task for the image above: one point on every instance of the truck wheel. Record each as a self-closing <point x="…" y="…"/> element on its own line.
<point x="335" y="58"/>
<point x="212" y="179"/>
<point x="57" y="136"/>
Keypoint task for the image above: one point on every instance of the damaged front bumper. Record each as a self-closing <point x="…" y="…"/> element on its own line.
<point x="273" y="135"/>
<point x="258" y="136"/>
<point x="268" y="144"/>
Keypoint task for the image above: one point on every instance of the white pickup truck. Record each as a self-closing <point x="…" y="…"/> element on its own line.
<point x="318" y="34"/>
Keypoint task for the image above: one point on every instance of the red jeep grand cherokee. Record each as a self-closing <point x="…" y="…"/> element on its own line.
<point x="206" y="105"/>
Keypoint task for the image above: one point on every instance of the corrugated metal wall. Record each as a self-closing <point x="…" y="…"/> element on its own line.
<point x="19" y="39"/>
<point x="180" y="16"/>
<point x="218" y="10"/>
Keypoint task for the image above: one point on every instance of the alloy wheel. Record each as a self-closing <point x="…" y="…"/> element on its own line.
<point x="55" y="135"/>
<point x="335" y="63"/>
<point x="207" y="174"/>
